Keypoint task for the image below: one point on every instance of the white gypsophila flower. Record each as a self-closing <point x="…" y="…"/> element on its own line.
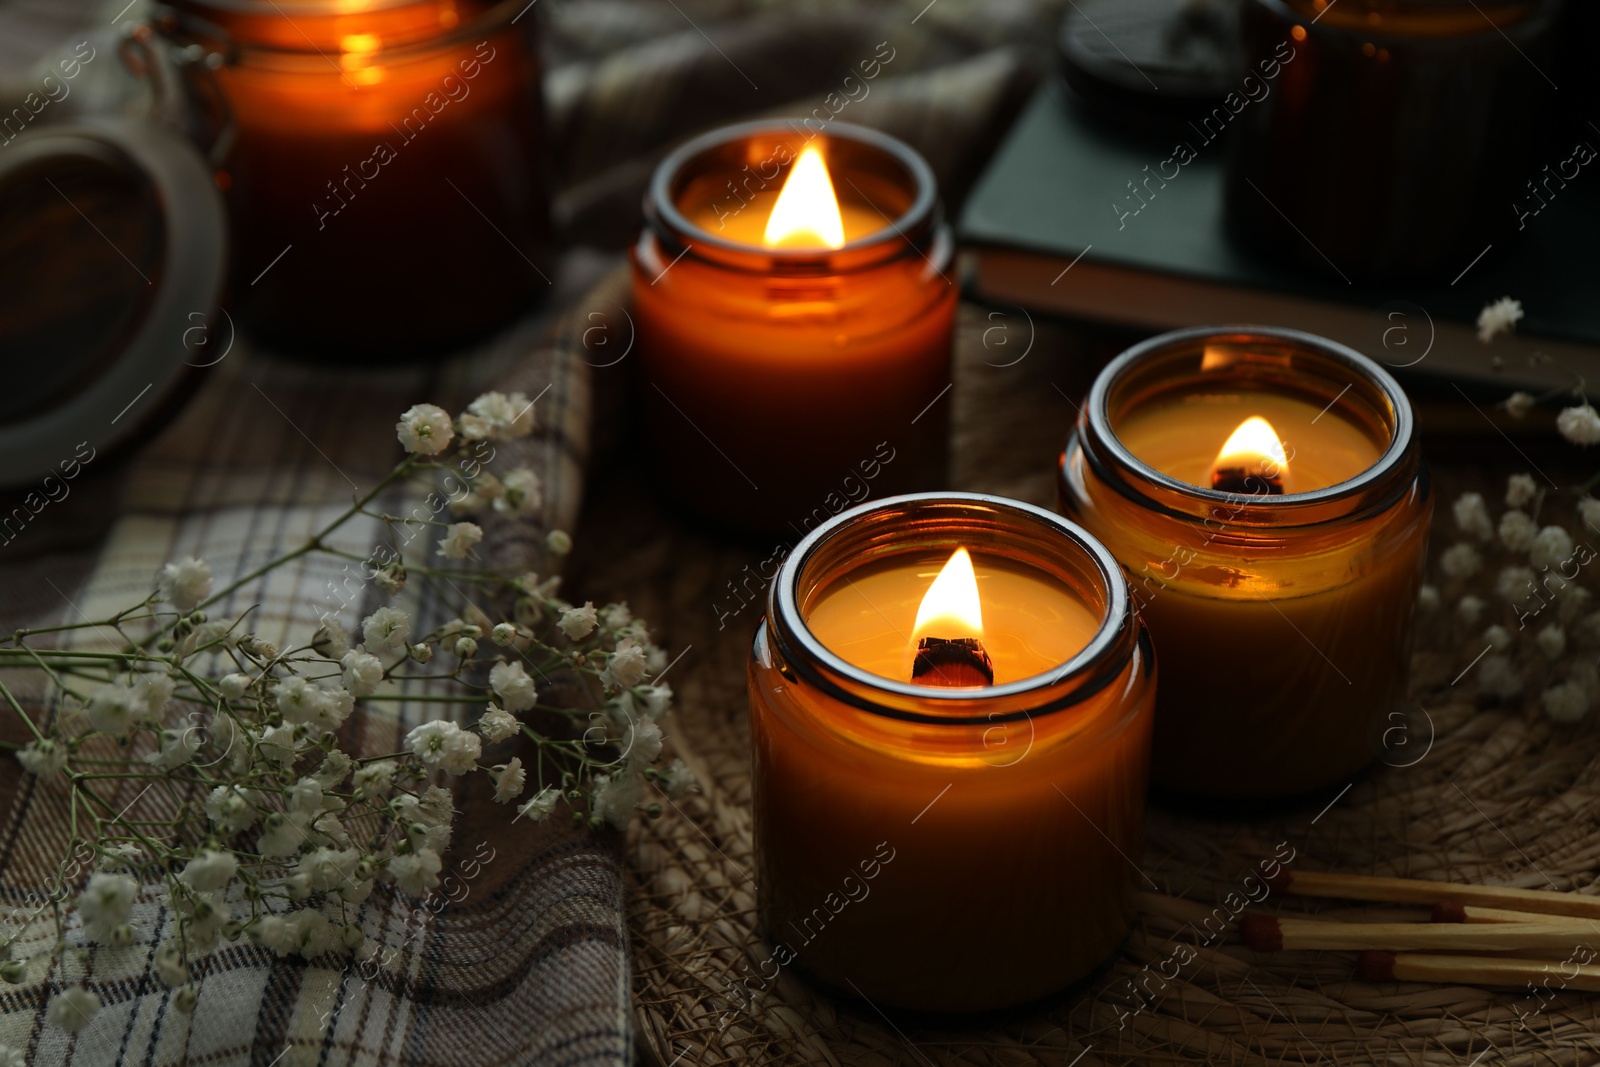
<point x="616" y="616"/>
<point x="459" y="538"/>
<point x="1589" y="511"/>
<point x="425" y="429"/>
<point x="375" y="777"/>
<point x="277" y="744"/>
<point x="169" y="964"/>
<point x="153" y="691"/>
<point x="1551" y="546"/>
<point x="311" y="933"/>
<point x="503" y="634"/>
<point x="185" y="584"/>
<point x="385" y="629"/>
<point x="1498" y="637"/>
<point x="445" y="745"/>
<point x="509" y="780"/>
<point x="331" y="640"/>
<point x="234" y="686"/>
<point x="231" y="808"/>
<point x="1472" y="516"/>
<point x="273" y="932"/>
<point x="120" y="857"/>
<point x="210" y="870"/>
<point x="1565" y="703"/>
<point x="334" y="769"/>
<point x="1580" y="425"/>
<point x="1498" y="318"/>
<point x="494" y="416"/>
<point x="207" y="914"/>
<point x="512" y="684"/>
<point x="559" y="542"/>
<point x="521" y="494"/>
<point x="1574" y="602"/>
<point x="642" y="743"/>
<point x="1469" y="609"/>
<point x="1520" y="490"/>
<point x="1460" y="561"/>
<point x="43" y="758"/>
<point x="416" y="872"/>
<point x="676" y="780"/>
<point x="1552" y="640"/>
<point x="72" y="1009"/>
<point x="1517" y="530"/>
<point x="363" y="672"/>
<point x="486" y="489"/>
<point x="1499" y="678"/>
<point x="304" y="797"/>
<point x="106" y="902"/>
<point x="625" y="667"/>
<point x="1518" y="404"/>
<point x="208" y="636"/>
<point x="113" y="710"/>
<point x="539" y="806"/>
<point x="1513" y="583"/>
<point x="296" y="698"/>
<point x="578" y="623"/>
<point x="496" y="724"/>
<point x="1428" y="598"/>
<point x="332" y="707"/>
<point x="282" y="834"/>
<point x="325" y="868"/>
<point x="391" y="578"/>
<point x="178" y="747"/>
<point x="615" y="797"/>
<point x="657" y="699"/>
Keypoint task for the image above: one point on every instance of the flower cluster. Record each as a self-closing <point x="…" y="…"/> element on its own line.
<point x="290" y="833"/>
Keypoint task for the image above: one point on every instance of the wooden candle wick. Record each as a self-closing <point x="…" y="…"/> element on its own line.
<point x="953" y="663"/>
<point x="1251" y="480"/>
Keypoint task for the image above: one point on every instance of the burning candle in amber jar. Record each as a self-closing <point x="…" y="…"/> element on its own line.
<point x="950" y="704"/>
<point x="382" y="161"/>
<point x="794" y="321"/>
<point x="1264" y="491"/>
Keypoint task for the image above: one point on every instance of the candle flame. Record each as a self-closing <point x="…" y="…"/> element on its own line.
<point x="1253" y="451"/>
<point x="950" y="608"/>
<point x="807" y="212"/>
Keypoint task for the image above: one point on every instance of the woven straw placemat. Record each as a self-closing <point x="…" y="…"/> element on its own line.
<point x="1489" y="793"/>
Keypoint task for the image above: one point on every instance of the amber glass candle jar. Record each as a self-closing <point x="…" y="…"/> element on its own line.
<point x="382" y="164"/>
<point x="787" y="377"/>
<point x="954" y="843"/>
<point x="1398" y="136"/>
<point x="1265" y="493"/>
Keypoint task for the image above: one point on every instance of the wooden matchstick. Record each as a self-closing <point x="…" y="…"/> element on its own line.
<point x="1413" y="891"/>
<point x="1267" y="933"/>
<point x="1477" y="970"/>
<point x="1451" y="912"/>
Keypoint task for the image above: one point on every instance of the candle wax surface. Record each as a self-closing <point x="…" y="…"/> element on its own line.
<point x="1032" y="622"/>
<point x="747" y="224"/>
<point x="1181" y="437"/>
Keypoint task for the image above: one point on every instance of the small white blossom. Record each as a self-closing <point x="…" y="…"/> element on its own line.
<point x="1520" y="489"/>
<point x="376" y="777"/>
<point x="509" y="780"/>
<point x="1551" y="547"/>
<point x="170" y="966"/>
<point x="1565" y="703"/>
<point x="676" y="780"/>
<point x="1472" y="516"/>
<point x="539" y="806"/>
<point x="178" y="748"/>
<point x="363" y="672"/>
<point x="497" y="724"/>
<point x="625" y="669"/>
<point x="1469" y="609"/>
<point x="657" y="699"/>
<point x="1552" y="640"/>
<point x="1428" y="598"/>
<point x="210" y="870"/>
<point x="385" y="629"/>
<point x="43" y="758"/>
<point x="615" y="616"/>
<point x="486" y="489"/>
<point x="1460" y="561"/>
<point x="234" y="686"/>
<point x="153" y="691"/>
<point x="120" y="857"/>
<point x="332" y="707"/>
<point x="311" y="933"/>
<point x="1517" y="530"/>
<point x="185" y="583"/>
<point x="326" y="868"/>
<point x="503" y="634"/>
<point x="425" y="429"/>
<point x="643" y="743"/>
<point x="459" y="538"/>
<point x="416" y="872"/>
<point x="113" y="710"/>
<point x="1498" y="637"/>
<point x="559" y="542"/>
<point x="207" y="914"/>
<point x="1580" y="425"/>
<point x="578" y="623"/>
<point x="282" y="834"/>
<point x="1498" y="318"/>
<point x="1589" y="511"/>
<point x="1518" y="404"/>
<point x="497" y="417"/>
<point x="1514" y="583"/>
<point x="73" y="1008"/>
<point x="521" y="494"/>
<point x="331" y="639"/>
<point x="514" y="687"/>
<point x="277" y="744"/>
<point x="1499" y="677"/>
<point x="106" y="902"/>
<point x="231" y="808"/>
<point x="296" y="699"/>
<point x="616" y="796"/>
<point x="445" y="745"/>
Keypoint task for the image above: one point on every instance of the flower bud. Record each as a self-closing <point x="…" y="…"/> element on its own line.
<point x="503" y="634"/>
<point x="422" y="652"/>
<point x="14" y="971"/>
<point x="184" y="999"/>
<point x="122" y="935"/>
<point x="466" y="647"/>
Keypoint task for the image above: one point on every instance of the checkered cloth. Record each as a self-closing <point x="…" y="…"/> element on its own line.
<point x="528" y="962"/>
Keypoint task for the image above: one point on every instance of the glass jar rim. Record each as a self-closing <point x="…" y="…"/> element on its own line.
<point x="1087" y="672"/>
<point x="1538" y="13"/>
<point x="233" y="51"/>
<point x="1096" y="416"/>
<point x="677" y="231"/>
